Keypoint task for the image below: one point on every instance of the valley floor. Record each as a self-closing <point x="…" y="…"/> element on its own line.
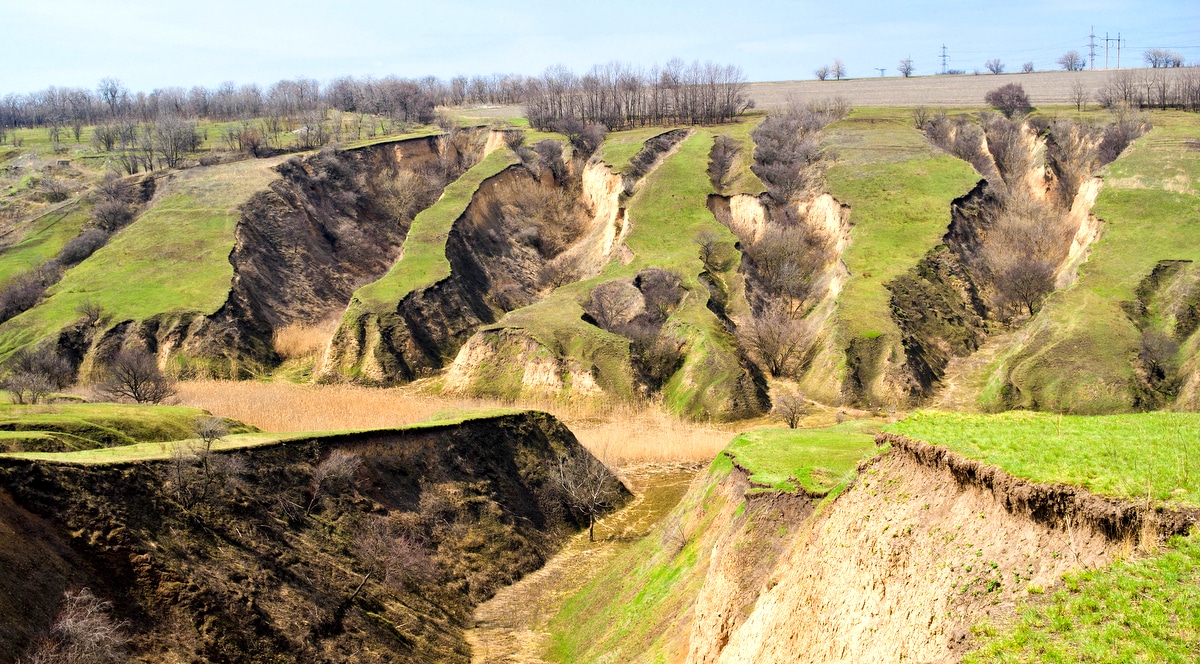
<point x="512" y="626"/>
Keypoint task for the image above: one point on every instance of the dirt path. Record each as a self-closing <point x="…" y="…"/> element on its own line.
<point x="966" y="377"/>
<point x="510" y="626"/>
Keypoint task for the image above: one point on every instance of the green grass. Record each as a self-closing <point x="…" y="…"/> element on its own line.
<point x="41" y="240"/>
<point x="818" y="460"/>
<point x="630" y="610"/>
<point x="899" y="190"/>
<point x="668" y="212"/>
<point x="1079" y="350"/>
<point x="174" y="258"/>
<point x="1155" y="455"/>
<point x="1145" y="610"/>
<point x="423" y="262"/>
<point x="620" y="147"/>
<point x="636" y="608"/>
<point x="162" y="449"/>
<point x="79" y="426"/>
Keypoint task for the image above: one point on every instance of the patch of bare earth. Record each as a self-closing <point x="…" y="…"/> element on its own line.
<point x="511" y="626"/>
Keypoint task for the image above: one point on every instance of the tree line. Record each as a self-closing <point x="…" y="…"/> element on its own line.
<point x="620" y="95"/>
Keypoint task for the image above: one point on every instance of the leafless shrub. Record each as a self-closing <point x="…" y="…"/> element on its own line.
<point x="1010" y="100"/>
<point x="724" y="154"/>
<point x="775" y="340"/>
<point x="559" y="271"/>
<point x="133" y="375"/>
<point x="589" y="486"/>
<point x="547" y="218"/>
<point x="673" y="538"/>
<point x="994" y="66"/>
<point x="788" y="260"/>
<point x="821" y="72"/>
<point x="334" y="475"/>
<point x="788" y="154"/>
<point x="1080" y="94"/>
<point x="661" y="291"/>
<point x="83" y="633"/>
<point x="584" y="137"/>
<point x="211" y="429"/>
<point x="1025" y="283"/>
<point x="550" y="155"/>
<point x="790" y="407"/>
<point x="54" y="190"/>
<point x="23" y="292"/>
<point x="1027" y="68"/>
<point x="197" y="475"/>
<point x="392" y="558"/>
<point x="1128" y="124"/>
<point x="614" y="303"/>
<point x="921" y="116"/>
<point x="716" y="253"/>
<point x="514" y="138"/>
<point x="79" y="248"/>
<point x="31" y="375"/>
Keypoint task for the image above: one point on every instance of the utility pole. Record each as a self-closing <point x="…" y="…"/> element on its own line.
<point x="1113" y="40"/>
<point x="943" y="58"/>
<point x="1092" y="49"/>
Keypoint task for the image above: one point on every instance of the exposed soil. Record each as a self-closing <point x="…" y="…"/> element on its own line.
<point x="511" y="626"/>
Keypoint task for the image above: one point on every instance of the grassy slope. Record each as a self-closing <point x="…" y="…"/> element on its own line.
<point x="1078" y="353"/>
<point x="162" y="447"/>
<point x="668" y="211"/>
<point x="1125" y="456"/>
<point x="637" y="607"/>
<point x="1131" y="611"/>
<point x="42" y="240"/>
<point x="423" y="262"/>
<point x="899" y="190"/>
<point x="818" y="459"/>
<point x="173" y="258"/>
<point x="89" y="426"/>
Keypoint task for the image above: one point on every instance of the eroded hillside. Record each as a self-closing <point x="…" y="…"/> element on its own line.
<point x="783" y="552"/>
<point x="355" y="547"/>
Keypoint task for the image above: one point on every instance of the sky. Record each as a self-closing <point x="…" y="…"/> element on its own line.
<point x="149" y="44"/>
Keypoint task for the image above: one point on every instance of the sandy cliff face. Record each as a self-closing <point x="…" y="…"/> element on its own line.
<point x="923" y="545"/>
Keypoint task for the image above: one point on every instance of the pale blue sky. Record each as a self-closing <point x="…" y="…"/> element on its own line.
<point x="158" y="43"/>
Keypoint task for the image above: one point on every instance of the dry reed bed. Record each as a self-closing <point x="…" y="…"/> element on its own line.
<point x="624" y="433"/>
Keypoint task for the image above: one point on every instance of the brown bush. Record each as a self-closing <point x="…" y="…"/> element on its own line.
<point x="133" y="375"/>
<point x="724" y="154"/>
<point x="1010" y="100"/>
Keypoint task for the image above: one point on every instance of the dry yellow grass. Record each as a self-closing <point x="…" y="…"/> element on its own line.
<point x="298" y="340"/>
<point x="624" y="433"/>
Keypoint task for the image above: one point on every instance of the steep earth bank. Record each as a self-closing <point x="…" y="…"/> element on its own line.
<point x="330" y="222"/>
<point x="250" y="556"/>
<point x="920" y="547"/>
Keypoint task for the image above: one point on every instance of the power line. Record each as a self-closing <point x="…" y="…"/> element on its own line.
<point x="1092" y="49"/>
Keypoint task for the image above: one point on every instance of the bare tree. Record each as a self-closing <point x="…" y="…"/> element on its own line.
<point x="821" y="72"/>
<point x="995" y="66"/>
<point x="724" y="154"/>
<point x="390" y="557"/>
<point x="331" y="476"/>
<point x="906" y="67"/>
<point x="1026" y="283"/>
<point x="1162" y="57"/>
<point x="83" y="633"/>
<point x="1079" y="95"/>
<point x="921" y="117"/>
<point x="715" y="253"/>
<point x="1010" y="100"/>
<point x="1071" y="61"/>
<point x="775" y="339"/>
<point x="614" y="303"/>
<point x="1027" y="68"/>
<point x="790" y="407"/>
<point x="134" y="375"/>
<point x="31" y="375"/>
<point x="590" y="487"/>
<point x="838" y="70"/>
